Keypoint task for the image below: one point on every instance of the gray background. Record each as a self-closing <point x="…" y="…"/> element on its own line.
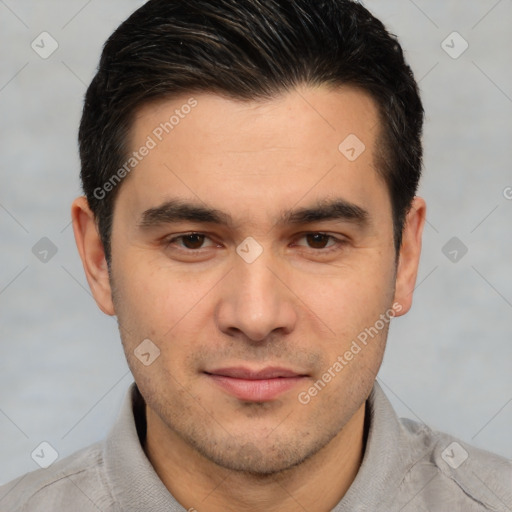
<point x="448" y="362"/>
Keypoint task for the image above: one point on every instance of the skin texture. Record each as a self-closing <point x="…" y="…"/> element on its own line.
<point x="299" y="305"/>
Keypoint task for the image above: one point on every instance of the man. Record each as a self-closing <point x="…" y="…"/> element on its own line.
<point x="250" y="170"/>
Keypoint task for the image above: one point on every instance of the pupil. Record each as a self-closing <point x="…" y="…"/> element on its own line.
<point x="317" y="241"/>
<point x="193" y="241"/>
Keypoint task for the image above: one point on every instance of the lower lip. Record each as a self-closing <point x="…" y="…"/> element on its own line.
<point x="253" y="390"/>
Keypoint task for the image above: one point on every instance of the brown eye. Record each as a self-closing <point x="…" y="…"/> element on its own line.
<point x="194" y="241"/>
<point x="318" y="240"/>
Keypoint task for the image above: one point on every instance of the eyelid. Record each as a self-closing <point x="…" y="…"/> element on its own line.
<point x="167" y="241"/>
<point x="338" y="241"/>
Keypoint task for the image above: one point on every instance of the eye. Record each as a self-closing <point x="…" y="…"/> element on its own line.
<point x="320" y="241"/>
<point x="190" y="241"/>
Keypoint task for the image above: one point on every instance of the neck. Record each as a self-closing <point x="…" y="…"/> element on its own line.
<point x="319" y="483"/>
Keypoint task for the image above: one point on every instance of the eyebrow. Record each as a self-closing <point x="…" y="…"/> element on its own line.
<point x="176" y="210"/>
<point x="333" y="209"/>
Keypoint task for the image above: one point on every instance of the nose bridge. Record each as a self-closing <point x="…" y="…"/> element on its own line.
<point x="257" y="282"/>
<point x="255" y="302"/>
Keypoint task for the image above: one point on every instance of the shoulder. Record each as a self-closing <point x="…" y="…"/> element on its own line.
<point x="78" y="482"/>
<point x="446" y="471"/>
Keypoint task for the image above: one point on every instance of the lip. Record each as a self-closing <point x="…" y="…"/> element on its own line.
<point x="250" y="385"/>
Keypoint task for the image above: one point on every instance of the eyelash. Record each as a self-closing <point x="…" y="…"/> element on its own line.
<point x="338" y="243"/>
<point x="169" y="241"/>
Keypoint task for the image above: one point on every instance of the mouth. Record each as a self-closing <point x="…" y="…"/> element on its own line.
<point x="261" y="385"/>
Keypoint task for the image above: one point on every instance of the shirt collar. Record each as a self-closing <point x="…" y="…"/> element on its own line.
<point x="389" y="453"/>
<point x="133" y="481"/>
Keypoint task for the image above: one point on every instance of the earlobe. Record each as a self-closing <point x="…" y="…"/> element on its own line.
<point x="409" y="256"/>
<point x="92" y="254"/>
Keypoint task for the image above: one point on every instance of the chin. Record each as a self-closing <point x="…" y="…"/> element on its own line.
<point x="255" y="458"/>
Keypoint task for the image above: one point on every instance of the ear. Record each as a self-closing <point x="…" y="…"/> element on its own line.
<point x="409" y="256"/>
<point x="91" y="251"/>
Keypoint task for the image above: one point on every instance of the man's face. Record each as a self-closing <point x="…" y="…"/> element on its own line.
<point x="244" y="336"/>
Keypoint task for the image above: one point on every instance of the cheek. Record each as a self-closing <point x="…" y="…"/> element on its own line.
<point x="350" y="299"/>
<point x="158" y="302"/>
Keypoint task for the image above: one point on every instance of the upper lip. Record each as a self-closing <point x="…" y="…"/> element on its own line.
<point x="270" y="372"/>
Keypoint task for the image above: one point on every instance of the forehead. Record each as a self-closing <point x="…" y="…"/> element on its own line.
<point x="306" y="141"/>
<point x="322" y="109"/>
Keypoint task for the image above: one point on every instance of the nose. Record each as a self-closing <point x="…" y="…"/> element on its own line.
<point x="255" y="301"/>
